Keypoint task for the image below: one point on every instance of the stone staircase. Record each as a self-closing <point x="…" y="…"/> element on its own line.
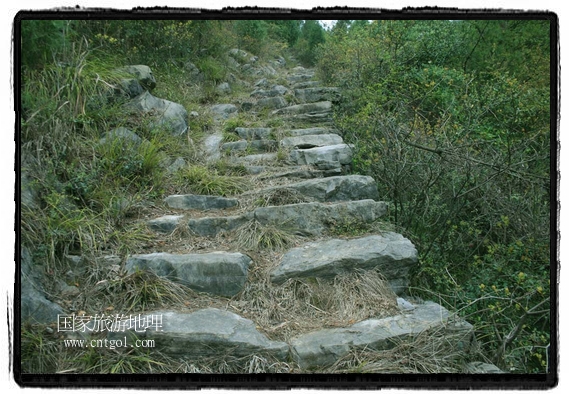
<point x="284" y="236"/>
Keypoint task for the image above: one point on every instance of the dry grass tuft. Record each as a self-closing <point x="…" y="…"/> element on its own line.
<point x="253" y="236"/>
<point x="280" y="196"/>
<point x="302" y="305"/>
<point x="431" y="351"/>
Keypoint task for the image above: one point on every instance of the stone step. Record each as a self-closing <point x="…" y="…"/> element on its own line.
<point x="323" y="348"/>
<point x="331" y="189"/>
<point x="318" y="108"/>
<point x="322" y="156"/>
<point x="276" y="90"/>
<point x="254" y="133"/>
<point x="204" y="333"/>
<point x="315" y="94"/>
<point x="199" y="202"/>
<point x="270" y="103"/>
<point x="301" y="172"/>
<point x="390" y="253"/>
<point x="218" y="273"/>
<point x="258" y="159"/>
<point x="311" y="141"/>
<point x="304" y="218"/>
<point x="300" y="77"/>
<point x="254" y="146"/>
<point x="311" y="131"/>
<point x="312" y="118"/>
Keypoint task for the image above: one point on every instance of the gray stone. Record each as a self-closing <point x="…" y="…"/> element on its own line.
<point x="340" y="153"/>
<point x="223" y="88"/>
<point x="211" y="226"/>
<point x="211" y="146"/>
<point x="34" y="306"/>
<point x="208" y="332"/>
<point x="314" y="217"/>
<point x="300" y="77"/>
<point x="325" y="347"/>
<point x="319" y="118"/>
<point x="311" y="131"/>
<point x="390" y="253"/>
<point x="238" y="54"/>
<point x="278" y="90"/>
<point x="254" y="133"/>
<point x="478" y="367"/>
<point x="264" y="145"/>
<point x="257" y="159"/>
<point x="165" y="224"/>
<point x="195" y="74"/>
<point x="168" y="114"/>
<point x="311" y="141"/>
<point x="194" y="114"/>
<point x="176" y="165"/>
<point x="335" y="188"/>
<point x="143" y="74"/>
<point x="271" y="103"/>
<point x="204" y="203"/>
<point x="219" y="273"/>
<point x="223" y="111"/>
<point x="309" y="108"/>
<point x="129" y="87"/>
<point x="314" y="94"/>
<point x="262" y="83"/>
<point x="122" y="135"/>
<point x="306" y="84"/>
<point x="235" y="146"/>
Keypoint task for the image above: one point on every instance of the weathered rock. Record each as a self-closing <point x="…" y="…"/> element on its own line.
<point x="211" y="146"/>
<point x="309" y="108"/>
<point x="271" y="103"/>
<point x="223" y="111"/>
<point x="206" y="333"/>
<point x="311" y="141"/>
<point x="263" y="145"/>
<point x="204" y="203"/>
<point x="121" y="135"/>
<point x="211" y="226"/>
<point x="143" y="74"/>
<point x="167" y="114"/>
<point x="314" y="94"/>
<point x="194" y="73"/>
<point x="323" y="348"/>
<point x="165" y="224"/>
<point x="305" y="76"/>
<point x="314" y="217"/>
<point x="478" y="367"/>
<point x="335" y="188"/>
<point x="176" y="165"/>
<point x="262" y="83"/>
<point x="258" y="158"/>
<point x="277" y="90"/>
<point x="34" y="306"/>
<point x="219" y="273"/>
<point x="235" y="146"/>
<point x="306" y="84"/>
<point x="390" y="253"/>
<point x="129" y="87"/>
<point x="319" y="118"/>
<point x="223" y="88"/>
<point x="311" y="131"/>
<point x="340" y="153"/>
<point x="238" y="54"/>
<point x="254" y="133"/>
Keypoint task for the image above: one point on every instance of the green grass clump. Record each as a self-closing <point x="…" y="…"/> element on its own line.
<point x="204" y="180"/>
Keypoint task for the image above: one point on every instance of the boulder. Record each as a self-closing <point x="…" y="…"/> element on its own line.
<point x="390" y="253"/>
<point x="314" y="94"/>
<point x="306" y="84"/>
<point x="277" y="90"/>
<point x="235" y="146"/>
<point x="323" y="348"/>
<point x="194" y="73"/>
<point x="301" y="76"/>
<point x="176" y="165"/>
<point x="143" y="74"/>
<point x="340" y="153"/>
<point x="311" y="141"/>
<point x="34" y="306"/>
<point x="166" y="113"/>
<point x="218" y="273"/>
<point x="223" y="111"/>
<point x="262" y="83"/>
<point x="129" y="87"/>
<point x="205" y="333"/>
<point x="254" y="133"/>
<point x="334" y="188"/>
<point x="203" y="203"/>
<point x="314" y="217"/>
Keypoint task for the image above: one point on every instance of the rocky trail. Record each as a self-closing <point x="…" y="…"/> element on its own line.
<point x="299" y="269"/>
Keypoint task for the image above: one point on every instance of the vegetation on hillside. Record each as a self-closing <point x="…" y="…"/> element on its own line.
<point x="452" y="119"/>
